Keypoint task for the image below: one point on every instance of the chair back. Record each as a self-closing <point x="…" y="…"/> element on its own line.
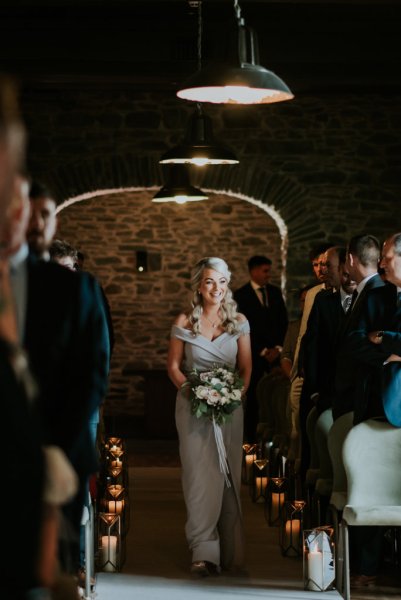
<point x="372" y="459"/>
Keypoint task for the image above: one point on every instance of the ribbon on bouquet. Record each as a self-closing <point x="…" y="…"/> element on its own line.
<point x="221" y="450"/>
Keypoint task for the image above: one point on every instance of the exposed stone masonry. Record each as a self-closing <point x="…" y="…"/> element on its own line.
<point x="329" y="165"/>
<point x="110" y="229"/>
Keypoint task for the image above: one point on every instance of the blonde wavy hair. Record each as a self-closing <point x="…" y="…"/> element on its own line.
<point x="228" y="307"/>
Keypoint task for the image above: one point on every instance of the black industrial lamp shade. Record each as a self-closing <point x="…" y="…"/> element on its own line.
<point x="199" y="147"/>
<point x="178" y="188"/>
<point x="245" y="82"/>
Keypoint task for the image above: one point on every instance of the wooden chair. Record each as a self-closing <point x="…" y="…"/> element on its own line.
<point x="372" y="459"/>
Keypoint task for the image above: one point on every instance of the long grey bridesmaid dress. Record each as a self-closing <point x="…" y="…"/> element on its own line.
<point x="214" y="519"/>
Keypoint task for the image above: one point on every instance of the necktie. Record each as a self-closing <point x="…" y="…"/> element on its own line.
<point x="262" y="290"/>
<point x="347" y="303"/>
<point x="353" y="299"/>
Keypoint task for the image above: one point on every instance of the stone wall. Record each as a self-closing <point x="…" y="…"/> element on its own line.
<point x="110" y="228"/>
<point x="329" y="166"/>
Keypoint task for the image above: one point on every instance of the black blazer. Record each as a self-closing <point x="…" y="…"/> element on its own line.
<point x="23" y="476"/>
<point x="67" y="343"/>
<point x="346" y="370"/>
<point x="318" y="347"/>
<point x="377" y="385"/>
<point x="268" y="324"/>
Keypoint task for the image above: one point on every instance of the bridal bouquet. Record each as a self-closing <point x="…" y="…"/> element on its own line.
<point x="215" y="394"/>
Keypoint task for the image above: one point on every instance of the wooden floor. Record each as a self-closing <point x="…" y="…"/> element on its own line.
<point x="156" y="545"/>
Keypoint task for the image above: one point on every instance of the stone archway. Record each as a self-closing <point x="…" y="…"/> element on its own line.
<point x="110" y="226"/>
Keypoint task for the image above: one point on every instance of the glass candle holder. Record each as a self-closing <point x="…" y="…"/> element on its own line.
<point x="110" y="542"/>
<point x="248" y="457"/>
<point x="260" y="479"/>
<point x="292" y="528"/>
<point x="319" y="559"/>
<point x="275" y="498"/>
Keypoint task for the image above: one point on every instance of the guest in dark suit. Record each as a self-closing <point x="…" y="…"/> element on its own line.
<point x="23" y="477"/>
<point x="363" y="254"/>
<point x="376" y="343"/>
<point x="319" y="342"/>
<point x="355" y="389"/>
<point x="263" y="305"/>
<point x="66" y="338"/>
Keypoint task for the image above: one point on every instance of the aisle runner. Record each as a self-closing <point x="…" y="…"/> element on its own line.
<point x="131" y="587"/>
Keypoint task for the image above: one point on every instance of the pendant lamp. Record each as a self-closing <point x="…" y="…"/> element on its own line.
<point x="199" y="147"/>
<point x="244" y="82"/>
<point x="178" y="189"/>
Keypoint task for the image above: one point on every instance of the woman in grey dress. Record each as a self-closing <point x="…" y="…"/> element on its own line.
<point x="213" y="333"/>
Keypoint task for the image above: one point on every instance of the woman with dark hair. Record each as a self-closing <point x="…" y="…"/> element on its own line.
<point x="212" y="335"/>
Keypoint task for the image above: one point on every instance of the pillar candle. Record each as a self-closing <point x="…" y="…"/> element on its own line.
<point x="109" y="553"/>
<point x="315" y="571"/>
<point x="249" y="458"/>
<point x="261" y="485"/>
<point x="277" y="503"/>
<point x="116" y="506"/>
<point x="295" y="526"/>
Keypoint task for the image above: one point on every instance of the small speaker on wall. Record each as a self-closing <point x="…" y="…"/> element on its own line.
<point x="141" y="261"/>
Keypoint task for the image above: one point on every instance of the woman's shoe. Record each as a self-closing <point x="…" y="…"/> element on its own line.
<point x="199" y="569"/>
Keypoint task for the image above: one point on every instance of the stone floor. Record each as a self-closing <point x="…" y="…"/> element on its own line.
<point x="157" y="560"/>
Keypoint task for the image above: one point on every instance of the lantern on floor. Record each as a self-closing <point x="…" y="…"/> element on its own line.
<point x="291" y="528"/>
<point x="110" y="542"/>
<point x="260" y="480"/>
<point x="116" y="500"/>
<point x="275" y="498"/>
<point x="117" y="476"/>
<point x="319" y="559"/>
<point x="249" y="455"/>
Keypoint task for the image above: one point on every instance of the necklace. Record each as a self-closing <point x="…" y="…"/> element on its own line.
<point x="215" y="323"/>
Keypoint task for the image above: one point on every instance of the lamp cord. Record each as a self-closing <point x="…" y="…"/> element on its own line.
<point x="199" y="35"/>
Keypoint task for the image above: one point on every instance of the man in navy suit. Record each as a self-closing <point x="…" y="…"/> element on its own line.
<point x="263" y="305"/>
<point x="363" y="254"/>
<point x="376" y="344"/>
<point x="358" y="378"/>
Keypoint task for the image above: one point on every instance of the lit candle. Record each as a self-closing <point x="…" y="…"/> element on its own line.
<point x="249" y="458"/>
<point x="315" y="570"/>
<point x="277" y="503"/>
<point x="116" y="506"/>
<point x="293" y="526"/>
<point x="109" y="553"/>
<point x="261" y="485"/>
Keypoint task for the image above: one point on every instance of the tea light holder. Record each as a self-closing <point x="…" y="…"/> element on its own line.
<point x="275" y="498"/>
<point x="292" y="528"/>
<point x="110" y="542"/>
<point x="260" y="479"/>
<point x="319" y="559"/>
<point x="248" y="457"/>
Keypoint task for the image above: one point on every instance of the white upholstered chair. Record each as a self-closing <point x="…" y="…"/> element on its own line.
<point x="372" y="459"/>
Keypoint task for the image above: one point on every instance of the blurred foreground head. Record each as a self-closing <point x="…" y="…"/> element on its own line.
<point x="12" y="141"/>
